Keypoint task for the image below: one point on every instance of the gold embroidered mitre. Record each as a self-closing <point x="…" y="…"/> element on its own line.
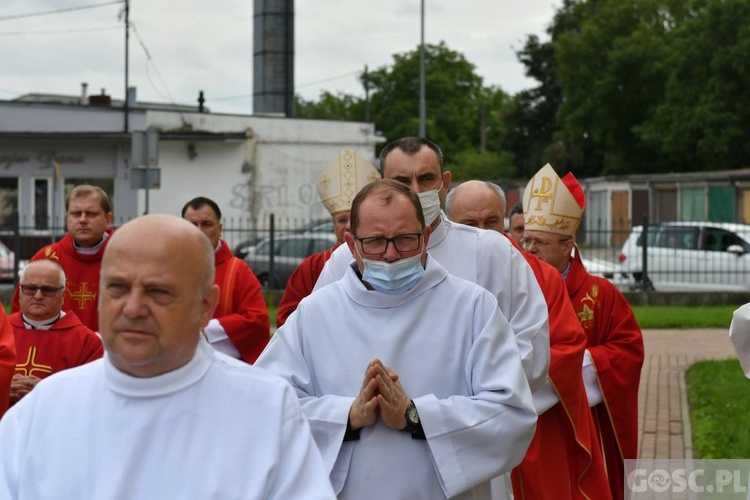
<point x="342" y="179"/>
<point x="553" y="204"/>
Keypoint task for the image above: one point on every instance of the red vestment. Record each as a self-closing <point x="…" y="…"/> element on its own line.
<point x="301" y="283"/>
<point x="7" y="360"/>
<point x="242" y="309"/>
<point x="82" y="275"/>
<point x="615" y="342"/>
<point x="564" y="459"/>
<point x="68" y="343"/>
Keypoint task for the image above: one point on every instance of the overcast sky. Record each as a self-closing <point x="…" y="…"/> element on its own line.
<point x="179" y="47"/>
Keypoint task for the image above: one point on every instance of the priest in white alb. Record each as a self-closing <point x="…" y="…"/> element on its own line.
<point x="410" y="377"/>
<point x="482" y="257"/>
<point x="162" y="415"/>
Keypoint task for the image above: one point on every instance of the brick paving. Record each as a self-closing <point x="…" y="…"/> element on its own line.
<point x="662" y="402"/>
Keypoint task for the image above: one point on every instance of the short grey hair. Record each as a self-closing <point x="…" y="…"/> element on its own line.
<point x="44" y="262"/>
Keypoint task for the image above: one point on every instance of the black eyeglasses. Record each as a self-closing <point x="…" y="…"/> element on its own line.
<point x="377" y="245"/>
<point x="47" y="291"/>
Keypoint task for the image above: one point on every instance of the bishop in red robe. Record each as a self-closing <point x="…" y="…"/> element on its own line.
<point x="613" y="358"/>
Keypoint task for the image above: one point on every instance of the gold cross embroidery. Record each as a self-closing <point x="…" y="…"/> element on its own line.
<point x="82" y="295"/>
<point x="30" y="366"/>
<point x="542" y="193"/>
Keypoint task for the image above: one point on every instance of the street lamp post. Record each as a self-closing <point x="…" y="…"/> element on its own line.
<point x="422" y="102"/>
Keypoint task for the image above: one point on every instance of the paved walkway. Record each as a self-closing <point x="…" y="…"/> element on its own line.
<point x="662" y="403"/>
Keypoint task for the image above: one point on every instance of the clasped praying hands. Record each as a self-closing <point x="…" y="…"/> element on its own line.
<point x="382" y="394"/>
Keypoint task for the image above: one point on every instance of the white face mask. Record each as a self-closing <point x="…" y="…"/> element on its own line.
<point x="430" y="201"/>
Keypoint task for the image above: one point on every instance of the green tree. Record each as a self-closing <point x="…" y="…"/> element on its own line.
<point x="332" y="107"/>
<point x="454" y="98"/>
<point x="612" y="71"/>
<point x="703" y="120"/>
<point x="531" y="126"/>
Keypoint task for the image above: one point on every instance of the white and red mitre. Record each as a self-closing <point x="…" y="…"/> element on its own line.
<point x="553" y="204"/>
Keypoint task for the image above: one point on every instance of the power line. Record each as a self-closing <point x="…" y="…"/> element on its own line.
<point x="61" y="31"/>
<point x="247" y="96"/>
<point x="167" y="97"/>
<point x="327" y="80"/>
<point x="58" y="11"/>
<point x="232" y="97"/>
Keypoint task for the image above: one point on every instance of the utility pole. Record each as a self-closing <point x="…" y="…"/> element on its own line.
<point x="125" y="104"/>
<point x="483" y="127"/>
<point x="366" y="81"/>
<point x="422" y="103"/>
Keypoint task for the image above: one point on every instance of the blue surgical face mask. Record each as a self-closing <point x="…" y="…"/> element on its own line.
<point x="393" y="278"/>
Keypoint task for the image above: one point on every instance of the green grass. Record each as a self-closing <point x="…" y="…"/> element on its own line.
<point x="684" y="317"/>
<point x="272" y="315"/>
<point x="719" y="396"/>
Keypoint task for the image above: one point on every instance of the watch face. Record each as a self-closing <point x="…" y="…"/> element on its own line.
<point x="412" y="415"/>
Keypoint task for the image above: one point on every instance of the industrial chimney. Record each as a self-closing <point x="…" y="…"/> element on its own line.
<point x="273" y="57"/>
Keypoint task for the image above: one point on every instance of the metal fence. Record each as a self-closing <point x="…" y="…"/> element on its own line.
<point x="660" y="257"/>
<point x="676" y="256"/>
<point x="24" y="240"/>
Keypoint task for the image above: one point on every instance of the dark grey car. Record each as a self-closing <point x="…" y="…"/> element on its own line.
<point x="288" y="252"/>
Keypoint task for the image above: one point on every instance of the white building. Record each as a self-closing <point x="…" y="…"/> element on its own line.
<point x="250" y="165"/>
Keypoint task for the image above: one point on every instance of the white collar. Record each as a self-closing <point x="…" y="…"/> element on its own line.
<point x="45" y="324"/>
<point x="90" y="250"/>
<point x="166" y="383"/>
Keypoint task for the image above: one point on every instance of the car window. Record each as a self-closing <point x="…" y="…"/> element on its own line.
<point x="319" y="244"/>
<point x="263" y="248"/>
<point x="718" y="240"/>
<point x="674" y="237"/>
<point x="293" y="247"/>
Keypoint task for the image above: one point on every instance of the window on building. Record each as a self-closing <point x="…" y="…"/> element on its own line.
<point x="8" y="201"/>
<point x="41" y="203"/>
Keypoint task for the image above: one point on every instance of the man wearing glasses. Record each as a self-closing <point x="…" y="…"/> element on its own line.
<point x="612" y="361"/>
<point x="410" y="377"/>
<point x="48" y="339"/>
<point x="482" y="257"/>
<point x="88" y="215"/>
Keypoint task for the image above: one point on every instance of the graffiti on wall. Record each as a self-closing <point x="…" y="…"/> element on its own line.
<point x="274" y="198"/>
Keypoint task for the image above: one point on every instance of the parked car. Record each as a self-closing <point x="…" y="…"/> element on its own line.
<point x="288" y="252"/>
<point x="317" y="226"/>
<point x="624" y="281"/>
<point x="690" y="256"/>
<point x="7" y="262"/>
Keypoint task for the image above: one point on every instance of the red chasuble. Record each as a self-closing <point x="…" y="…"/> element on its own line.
<point x="301" y="283"/>
<point x="564" y="459"/>
<point x="69" y="343"/>
<point x="7" y="360"/>
<point x="242" y="310"/>
<point x="615" y="342"/>
<point x="82" y="275"/>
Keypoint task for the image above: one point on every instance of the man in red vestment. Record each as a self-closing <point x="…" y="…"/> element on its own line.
<point x="88" y="216"/>
<point x="7" y="360"/>
<point x="564" y="460"/>
<point x="240" y="326"/>
<point x="614" y="344"/>
<point x="339" y="183"/>
<point x="48" y="340"/>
